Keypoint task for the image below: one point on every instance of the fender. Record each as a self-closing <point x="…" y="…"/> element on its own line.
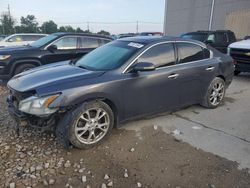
<point x="18" y="62"/>
<point x="114" y="103"/>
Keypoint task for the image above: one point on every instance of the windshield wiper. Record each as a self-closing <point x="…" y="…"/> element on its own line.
<point x="83" y="67"/>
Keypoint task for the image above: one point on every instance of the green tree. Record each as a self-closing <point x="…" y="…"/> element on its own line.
<point x="7" y="24"/>
<point x="69" y="28"/>
<point x="49" y="27"/>
<point x="102" y="32"/>
<point x="29" y="24"/>
<point x="79" y="30"/>
<point x="62" y="29"/>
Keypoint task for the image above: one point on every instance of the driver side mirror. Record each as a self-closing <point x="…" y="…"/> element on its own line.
<point x="52" y="48"/>
<point x="143" y="66"/>
<point x="209" y="41"/>
<point x="10" y="40"/>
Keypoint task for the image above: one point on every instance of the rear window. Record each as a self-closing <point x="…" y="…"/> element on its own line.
<point x="188" y="52"/>
<point x="195" y="36"/>
<point x="221" y="38"/>
<point x="31" y="37"/>
<point x="91" y="42"/>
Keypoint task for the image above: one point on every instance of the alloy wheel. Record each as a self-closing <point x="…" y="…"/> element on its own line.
<point x="92" y="125"/>
<point x="217" y="93"/>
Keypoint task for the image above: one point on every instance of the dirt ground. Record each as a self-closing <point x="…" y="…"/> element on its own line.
<point x="157" y="160"/>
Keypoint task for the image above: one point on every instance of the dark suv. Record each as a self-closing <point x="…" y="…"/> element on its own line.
<point x="52" y="48"/>
<point x="219" y="39"/>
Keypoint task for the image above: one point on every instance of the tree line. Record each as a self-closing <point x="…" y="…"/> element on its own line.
<point x="29" y="24"/>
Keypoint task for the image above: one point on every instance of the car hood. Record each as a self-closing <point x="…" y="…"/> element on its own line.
<point x="244" y="44"/>
<point x="50" y="75"/>
<point x="11" y="49"/>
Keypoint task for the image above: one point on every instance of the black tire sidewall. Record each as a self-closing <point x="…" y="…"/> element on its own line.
<point x="78" y="112"/>
<point x="21" y="68"/>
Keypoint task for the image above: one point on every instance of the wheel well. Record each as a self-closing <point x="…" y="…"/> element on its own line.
<point x="222" y="77"/>
<point x="19" y="63"/>
<point x="114" y="109"/>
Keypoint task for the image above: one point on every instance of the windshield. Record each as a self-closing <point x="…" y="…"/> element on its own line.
<point x="110" y="56"/>
<point x="195" y="36"/>
<point x="43" y="41"/>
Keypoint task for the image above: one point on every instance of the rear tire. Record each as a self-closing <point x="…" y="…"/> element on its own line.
<point x="236" y="73"/>
<point x="23" y="67"/>
<point x="215" y="93"/>
<point x="86" y="126"/>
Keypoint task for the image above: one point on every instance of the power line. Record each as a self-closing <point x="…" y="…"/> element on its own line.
<point x="135" y="22"/>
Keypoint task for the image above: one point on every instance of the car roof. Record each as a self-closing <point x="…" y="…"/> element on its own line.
<point x="82" y="34"/>
<point x="157" y="39"/>
<point x="29" y="34"/>
<point x="206" y="31"/>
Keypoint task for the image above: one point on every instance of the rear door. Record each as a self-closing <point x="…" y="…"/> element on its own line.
<point x="196" y="71"/>
<point x="87" y="44"/>
<point x="66" y="50"/>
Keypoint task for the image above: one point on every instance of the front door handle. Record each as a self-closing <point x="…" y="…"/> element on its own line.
<point x="173" y="76"/>
<point x="209" y="68"/>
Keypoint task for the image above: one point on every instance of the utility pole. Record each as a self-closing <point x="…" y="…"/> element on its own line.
<point x="88" y="26"/>
<point x="211" y="15"/>
<point x="165" y="18"/>
<point x="137" y="27"/>
<point x="9" y="10"/>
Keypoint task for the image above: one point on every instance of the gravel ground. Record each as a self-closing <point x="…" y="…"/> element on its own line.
<point x="124" y="160"/>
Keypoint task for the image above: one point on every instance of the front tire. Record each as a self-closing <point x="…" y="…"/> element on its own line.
<point x="88" y="125"/>
<point x="23" y="67"/>
<point x="215" y="93"/>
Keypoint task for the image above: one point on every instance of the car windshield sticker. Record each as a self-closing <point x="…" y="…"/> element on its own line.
<point x="135" y="45"/>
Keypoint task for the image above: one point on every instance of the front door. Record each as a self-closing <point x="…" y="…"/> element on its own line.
<point x="66" y="50"/>
<point x="149" y="92"/>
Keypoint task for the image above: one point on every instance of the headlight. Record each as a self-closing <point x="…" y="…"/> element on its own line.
<point x="38" y="106"/>
<point x="4" y="57"/>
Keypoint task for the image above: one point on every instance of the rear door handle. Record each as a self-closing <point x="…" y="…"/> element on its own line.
<point x="209" y="68"/>
<point x="173" y="76"/>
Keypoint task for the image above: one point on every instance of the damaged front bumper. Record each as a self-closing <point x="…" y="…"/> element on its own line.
<point x="40" y="123"/>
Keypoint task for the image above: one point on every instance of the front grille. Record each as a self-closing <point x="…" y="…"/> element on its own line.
<point x="240" y="55"/>
<point x="15" y="97"/>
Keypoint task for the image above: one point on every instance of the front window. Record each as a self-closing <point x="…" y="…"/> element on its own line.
<point x="17" y="38"/>
<point x="45" y="40"/>
<point x="161" y="55"/>
<point x="66" y="43"/>
<point x="110" y="56"/>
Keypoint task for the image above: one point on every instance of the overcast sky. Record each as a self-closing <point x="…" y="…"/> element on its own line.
<point x="78" y="12"/>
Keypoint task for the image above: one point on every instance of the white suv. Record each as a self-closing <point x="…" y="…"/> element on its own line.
<point x="20" y="39"/>
<point x="240" y="52"/>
